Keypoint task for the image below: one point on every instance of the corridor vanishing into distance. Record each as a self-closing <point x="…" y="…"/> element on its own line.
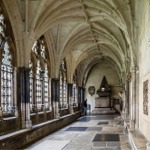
<point x="60" y="57"/>
<point x="96" y="132"/>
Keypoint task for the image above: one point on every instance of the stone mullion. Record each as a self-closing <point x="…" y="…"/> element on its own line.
<point x="43" y="94"/>
<point x="43" y="98"/>
<point x="33" y="95"/>
<point x="15" y="92"/>
<point x="49" y="94"/>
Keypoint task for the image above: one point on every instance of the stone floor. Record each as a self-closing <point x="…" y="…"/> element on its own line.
<point x="100" y="132"/>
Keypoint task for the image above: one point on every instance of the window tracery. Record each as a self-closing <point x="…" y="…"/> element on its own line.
<point x="42" y="92"/>
<point x="7" y="73"/>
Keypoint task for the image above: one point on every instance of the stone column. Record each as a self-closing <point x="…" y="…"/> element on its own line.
<point x="82" y="94"/>
<point x="127" y="93"/>
<point x="55" y="97"/>
<point x="79" y="97"/>
<point x="23" y="95"/>
<point x="133" y="99"/>
<point x="137" y="100"/>
<point x="82" y="97"/>
<point x="70" y="86"/>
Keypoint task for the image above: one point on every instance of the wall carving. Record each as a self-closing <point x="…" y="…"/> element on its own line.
<point x="91" y="90"/>
<point x="145" y="97"/>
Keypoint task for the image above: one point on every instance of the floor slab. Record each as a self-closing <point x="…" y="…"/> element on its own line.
<point x="80" y="134"/>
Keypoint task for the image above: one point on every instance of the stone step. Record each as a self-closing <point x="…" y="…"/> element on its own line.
<point x="103" y="111"/>
<point x="102" y="108"/>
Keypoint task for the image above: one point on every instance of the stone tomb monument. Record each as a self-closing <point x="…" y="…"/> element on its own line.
<point x="103" y="101"/>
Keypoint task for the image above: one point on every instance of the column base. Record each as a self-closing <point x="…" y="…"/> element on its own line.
<point x="71" y="111"/>
<point x="28" y="124"/>
<point x="16" y="112"/>
<point x="123" y="114"/>
<point x="57" y="116"/>
<point x="132" y="125"/>
<point x="148" y="145"/>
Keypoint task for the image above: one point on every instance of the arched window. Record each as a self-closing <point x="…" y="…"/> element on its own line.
<point x="8" y="103"/>
<point x="75" y="90"/>
<point x="40" y="95"/>
<point x="63" y="86"/>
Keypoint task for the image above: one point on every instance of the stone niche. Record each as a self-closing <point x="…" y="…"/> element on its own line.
<point x="103" y="102"/>
<point x="104" y="92"/>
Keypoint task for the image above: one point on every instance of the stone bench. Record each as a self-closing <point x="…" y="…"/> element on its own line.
<point x="136" y="138"/>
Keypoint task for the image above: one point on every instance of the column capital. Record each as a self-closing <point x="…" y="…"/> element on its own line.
<point x="54" y="79"/>
<point x="132" y="125"/>
<point x="70" y="84"/>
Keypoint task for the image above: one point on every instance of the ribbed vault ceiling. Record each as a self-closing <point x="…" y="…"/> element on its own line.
<point x="84" y="32"/>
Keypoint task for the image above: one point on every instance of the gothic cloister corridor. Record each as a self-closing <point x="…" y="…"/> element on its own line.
<point x="61" y="59"/>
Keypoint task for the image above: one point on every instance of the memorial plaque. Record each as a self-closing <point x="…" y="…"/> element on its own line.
<point x="103" y="123"/>
<point x="106" y="137"/>
<point x="78" y="129"/>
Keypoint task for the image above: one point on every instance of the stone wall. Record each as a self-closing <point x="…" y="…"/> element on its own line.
<point x="143" y="13"/>
<point x="21" y="138"/>
<point x="95" y="79"/>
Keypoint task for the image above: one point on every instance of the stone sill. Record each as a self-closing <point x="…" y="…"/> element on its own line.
<point x="64" y="108"/>
<point x="42" y="112"/>
<point x="9" y="118"/>
<point x="21" y="131"/>
<point x="137" y="139"/>
<point x="43" y="124"/>
<point x="13" y="134"/>
<point x="52" y="121"/>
